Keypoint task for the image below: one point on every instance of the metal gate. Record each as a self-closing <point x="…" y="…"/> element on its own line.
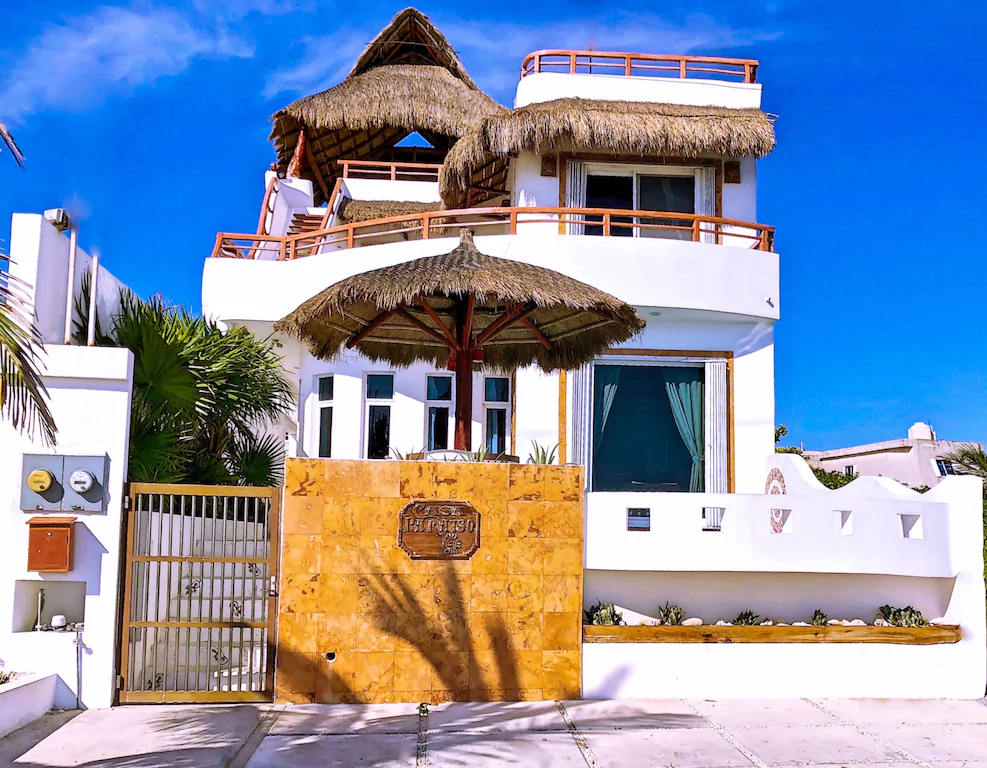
<point x="199" y="594"/>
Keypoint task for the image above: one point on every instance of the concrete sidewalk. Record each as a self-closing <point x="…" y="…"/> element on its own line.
<point x="604" y="734"/>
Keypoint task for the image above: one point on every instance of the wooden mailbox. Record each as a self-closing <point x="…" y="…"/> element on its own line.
<point x="50" y="543"/>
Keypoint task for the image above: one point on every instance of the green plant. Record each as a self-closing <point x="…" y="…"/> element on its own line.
<point x="23" y="397"/>
<point x="833" y="480"/>
<point x="604" y="615"/>
<point x="819" y="618"/>
<point x="746" y="619"/>
<point x="207" y="405"/>
<point x="902" y="617"/>
<point x="413" y="455"/>
<point x="780" y="431"/>
<point x="542" y="454"/>
<point x="670" y="615"/>
<point x="5" y="677"/>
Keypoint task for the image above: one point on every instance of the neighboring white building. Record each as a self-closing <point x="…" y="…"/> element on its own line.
<point x="917" y="461"/>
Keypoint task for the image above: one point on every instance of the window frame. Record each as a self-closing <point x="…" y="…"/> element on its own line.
<point x="945" y="468"/>
<point x="677" y="361"/>
<point x="320" y="407"/>
<point x="497" y="405"/>
<point x="450" y="404"/>
<point x="369" y="401"/>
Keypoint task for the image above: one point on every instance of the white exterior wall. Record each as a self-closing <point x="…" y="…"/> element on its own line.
<point x="548" y="86"/>
<point x="815" y="563"/>
<point x="90" y="391"/>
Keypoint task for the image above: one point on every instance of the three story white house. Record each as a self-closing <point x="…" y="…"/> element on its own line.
<point x="636" y="174"/>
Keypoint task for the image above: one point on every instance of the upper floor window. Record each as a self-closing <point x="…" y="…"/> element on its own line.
<point x="945" y="467"/>
<point x="380" y="394"/>
<point x="666" y="188"/>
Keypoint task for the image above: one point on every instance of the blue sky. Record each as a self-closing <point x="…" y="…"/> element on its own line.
<point x="151" y="119"/>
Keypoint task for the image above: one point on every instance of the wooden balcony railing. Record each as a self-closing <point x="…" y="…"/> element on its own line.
<point x="639" y="65"/>
<point x="500" y="221"/>
<point x="370" y="169"/>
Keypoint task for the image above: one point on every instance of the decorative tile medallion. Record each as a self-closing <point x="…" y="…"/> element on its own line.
<point x="439" y="530"/>
<point x="775" y="485"/>
<point x="778" y="520"/>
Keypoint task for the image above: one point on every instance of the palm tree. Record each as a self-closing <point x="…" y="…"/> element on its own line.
<point x="202" y="397"/>
<point x="23" y="397"/>
<point x="969" y="459"/>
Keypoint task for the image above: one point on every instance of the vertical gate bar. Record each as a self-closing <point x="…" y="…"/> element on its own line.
<point x="157" y="589"/>
<point x="128" y="585"/>
<point x="258" y="569"/>
<point x="274" y="546"/>
<point x="178" y="632"/>
<point x="145" y="608"/>
<point x="245" y="504"/>
<point x="226" y="501"/>
<point x="198" y="617"/>
<point x="212" y="573"/>
<point x="168" y="571"/>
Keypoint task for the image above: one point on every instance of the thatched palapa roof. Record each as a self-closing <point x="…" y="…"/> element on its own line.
<point x="353" y="211"/>
<point x="408" y="80"/>
<point x="616" y="127"/>
<point x="577" y="319"/>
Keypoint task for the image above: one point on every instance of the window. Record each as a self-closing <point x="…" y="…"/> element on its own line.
<point x="496" y="401"/>
<point x="380" y="386"/>
<point x="945" y="467"/>
<point x="850" y="470"/>
<point x="325" y="416"/>
<point x="438" y="399"/>
<point x="671" y="189"/>
<point x="638" y="519"/>
<point x="648" y="428"/>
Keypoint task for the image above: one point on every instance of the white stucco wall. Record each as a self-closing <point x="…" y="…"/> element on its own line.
<point x="818" y="562"/>
<point x="39" y="256"/>
<point x="90" y="391"/>
<point x="547" y="86"/>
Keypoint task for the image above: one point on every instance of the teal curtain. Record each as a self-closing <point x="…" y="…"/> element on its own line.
<point x="685" y="394"/>
<point x="607" y="377"/>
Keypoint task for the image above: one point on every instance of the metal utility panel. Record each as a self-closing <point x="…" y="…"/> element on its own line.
<point x="85" y="480"/>
<point x="34" y="497"/>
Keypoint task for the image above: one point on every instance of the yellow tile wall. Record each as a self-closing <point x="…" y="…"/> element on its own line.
<point x="502" y="626"/>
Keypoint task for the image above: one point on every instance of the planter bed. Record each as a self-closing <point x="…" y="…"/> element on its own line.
<point x="931" y="635"/>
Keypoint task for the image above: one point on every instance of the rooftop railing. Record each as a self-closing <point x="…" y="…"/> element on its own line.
<point x="499" y="221"/>
<point x="639" y="65"/>
<point x="387" y="171"/>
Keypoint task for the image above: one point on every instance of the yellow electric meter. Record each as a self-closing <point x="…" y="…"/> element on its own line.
<point x="40" y="480"/>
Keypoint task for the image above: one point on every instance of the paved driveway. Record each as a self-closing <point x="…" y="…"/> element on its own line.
<point x="608" y="734"/>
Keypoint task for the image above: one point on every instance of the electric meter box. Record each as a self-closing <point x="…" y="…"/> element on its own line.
<point x="64" y="483"/>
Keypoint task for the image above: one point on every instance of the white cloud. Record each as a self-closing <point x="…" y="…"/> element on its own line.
<point x="75" y="65"/>
<point x="492" y="51"/>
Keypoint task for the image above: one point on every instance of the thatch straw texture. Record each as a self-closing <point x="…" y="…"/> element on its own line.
<point x="580" y="320"/>
<point x="411" y="38"/>
<point x="616" y="127"/>
<point x="352" y="211"/>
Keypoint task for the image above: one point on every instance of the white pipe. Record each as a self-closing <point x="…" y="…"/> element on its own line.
<point x="70" y="292"/>
<point x="94" y="278"/>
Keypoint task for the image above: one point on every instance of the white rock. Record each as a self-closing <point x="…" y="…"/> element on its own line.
<point x="858" y="623"/>
<point x="781" y="624"/>
<point x="767" y="623"/>
<point x="649" y="623"/>
<point x="801" y="624"/>
<point x="881" y="623"/>
<point x="692" y="622"/>
<point x="722" y="623"/>
<point x="834" y="622"/>
<point x="845" y="622"/>
<point x="940" y="620"/>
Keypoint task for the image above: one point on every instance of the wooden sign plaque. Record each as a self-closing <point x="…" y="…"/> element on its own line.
<point x="439" y="530"/>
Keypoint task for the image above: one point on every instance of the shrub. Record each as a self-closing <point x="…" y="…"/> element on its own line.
<point x="902" y="617"/>
<point x="746" y="619"/>
<point x="604" y="615"/>
<point x="670" y="615"/>
<point x="541" y="454"/>
<point x="819" y="618"/>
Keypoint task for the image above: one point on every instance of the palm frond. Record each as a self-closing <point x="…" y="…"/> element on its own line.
<point x="8" y="140"/>
<point x="969" y="459"/>
<point x="23" y="396"/>
<point x="257" y="462"/>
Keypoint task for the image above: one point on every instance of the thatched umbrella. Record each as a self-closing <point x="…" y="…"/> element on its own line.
<point x="464" y="307"/>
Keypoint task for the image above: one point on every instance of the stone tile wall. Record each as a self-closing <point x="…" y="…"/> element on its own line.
<point x="362" y="622"/>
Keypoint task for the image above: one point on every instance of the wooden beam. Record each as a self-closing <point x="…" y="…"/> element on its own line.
<point x="370" y="327"/>
<point x="316" y="171"/>
<point x="298" y="156"/>
<point x="451" y="339"/>
<point x="510" y="317"/>
<point x="421" y="325"/>
<point x="542" y="338"/>
<point x="931" y="635"/>
<point x="467" y="328"/>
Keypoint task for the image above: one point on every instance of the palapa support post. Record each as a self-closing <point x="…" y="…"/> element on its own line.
<point x="297" y="157"/>
<point x="463" y="361"/>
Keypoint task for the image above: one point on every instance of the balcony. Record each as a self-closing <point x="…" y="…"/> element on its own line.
<point x="514" y="220"/>
<point x="639" y="65"/>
